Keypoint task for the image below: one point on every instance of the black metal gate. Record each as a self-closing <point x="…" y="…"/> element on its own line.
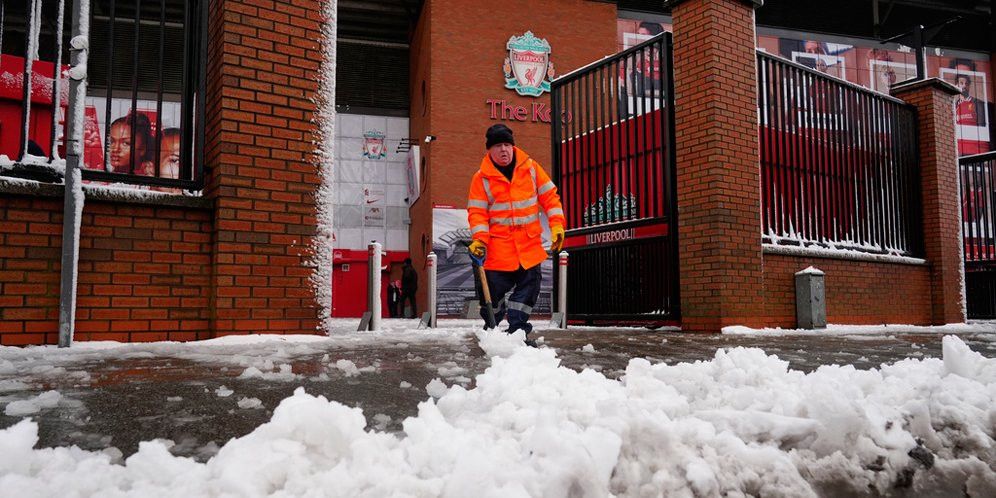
<point x="978" y="194"/>
<point x="613" y="161"/>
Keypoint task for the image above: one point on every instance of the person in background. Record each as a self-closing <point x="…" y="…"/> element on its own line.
<point x="393" y="298"/>
<point x="169" y="153"/>
<point x="409" y="285"/>
<point x="125" y="148"/>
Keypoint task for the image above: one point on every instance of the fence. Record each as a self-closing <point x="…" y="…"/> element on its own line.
<point x="978" y="193"/>
<point x="143" y="120"/>
<point x="839" y="163"/>
<point x="613" y="149"/>
<point x="609" y="145"/>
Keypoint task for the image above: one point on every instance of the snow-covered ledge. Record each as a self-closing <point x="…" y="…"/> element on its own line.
<point x="132" y="195"/>
<point x="846" y="254"/>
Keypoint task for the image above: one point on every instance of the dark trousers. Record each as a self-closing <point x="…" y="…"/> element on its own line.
<point x="525" y="287"/>
<point x="408" y="297"/>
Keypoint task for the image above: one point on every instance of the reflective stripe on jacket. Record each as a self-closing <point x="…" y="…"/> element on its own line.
<point x="505" y="215"/>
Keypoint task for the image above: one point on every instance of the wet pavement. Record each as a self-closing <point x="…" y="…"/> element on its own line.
<point x="200" y="396"/>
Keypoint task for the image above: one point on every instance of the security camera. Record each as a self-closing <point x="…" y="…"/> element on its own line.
<point x="429" y="138"/>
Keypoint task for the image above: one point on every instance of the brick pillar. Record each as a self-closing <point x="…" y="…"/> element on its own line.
<point x="263" y="59"/>
<point x="719" y="232"/>
<point x="934" y="102"/>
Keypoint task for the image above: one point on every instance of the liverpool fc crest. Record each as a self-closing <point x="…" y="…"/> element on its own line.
<point x="528" y="69"/>
<point x="373" y="145"/>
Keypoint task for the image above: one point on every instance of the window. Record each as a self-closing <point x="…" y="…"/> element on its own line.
<point x="143" y="116"/>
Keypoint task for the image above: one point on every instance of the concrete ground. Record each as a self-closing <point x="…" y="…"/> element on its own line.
<point x="201" y="396"/>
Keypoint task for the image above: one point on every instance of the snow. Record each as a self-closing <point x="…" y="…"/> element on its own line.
<point x="810" y="271"/>
<point x="588" y="348"/>
<point x="322" y="244"/>
<point x="47" y="399"/>
<point x="283" y="373"/>
<point x="250" y="403"/>
<point x="347" y="367"/>
<point x="436" y="388"/>
<point x="858" y="330"/>
<point x="838" y="253"/>
<point x="741" y="423"/>
<point x="223" y="392"/>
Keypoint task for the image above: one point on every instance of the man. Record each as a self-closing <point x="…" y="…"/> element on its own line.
<point x="506" y="197"/>
<point x="409" y="284"/>
<point x="968" y="109"/>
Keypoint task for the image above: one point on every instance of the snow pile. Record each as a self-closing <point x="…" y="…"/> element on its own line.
<point x="284" y="373"/>
<point x="742" y="423"/>
<point x="250" y="403"/>
<point x="496" y="343"/>
<point x="347" y="367"/>
<point x="436" y="388"/>
<point x="19" y="408"/>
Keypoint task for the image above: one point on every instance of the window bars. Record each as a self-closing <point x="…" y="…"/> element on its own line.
<point x="144" y="117"/>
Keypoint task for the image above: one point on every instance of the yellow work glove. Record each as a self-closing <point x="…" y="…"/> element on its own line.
<point x="557" y="232"/>
<point x="477" y="248"/>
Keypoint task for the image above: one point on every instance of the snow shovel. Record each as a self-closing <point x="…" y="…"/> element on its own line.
<point x="489" y="310"/>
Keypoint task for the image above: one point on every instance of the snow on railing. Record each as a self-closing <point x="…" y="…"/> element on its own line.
<point x="839" y="163"/>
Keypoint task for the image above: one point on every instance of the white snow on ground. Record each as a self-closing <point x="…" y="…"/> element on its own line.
<point x="984" y="329"/>
<point x="47" y="399"/>
<point x="347" y="367"/>
<point x="741" y="423"/>
<point x="262" y="356"/>
<point x="250" y="403"/>
<point x="436" y="388"/>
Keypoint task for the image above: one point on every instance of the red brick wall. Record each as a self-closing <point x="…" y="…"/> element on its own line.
<point x="420" y="124"/>
<point x="717" y="164"/>
<point x="262" y="74"/>
<point x="236" y="264"/>
<point x="143" y="271"/>
<point x="857" y="292"/>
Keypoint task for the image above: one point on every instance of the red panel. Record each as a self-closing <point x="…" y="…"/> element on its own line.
<point x="349" y="288"/>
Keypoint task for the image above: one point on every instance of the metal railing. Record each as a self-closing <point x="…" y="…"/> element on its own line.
<point x="839" y="163"/>
<point x="978" y="193"/>
<point x="144" y="117"/>
<point x="609" y="143"/>
<point x="613" y="159"/>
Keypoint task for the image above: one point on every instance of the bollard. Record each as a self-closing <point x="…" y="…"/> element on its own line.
<point x="431" y="266"/>
<point x="373" y="285"/>
<point x="562" y="289"/>
<point x="810" y="299"/>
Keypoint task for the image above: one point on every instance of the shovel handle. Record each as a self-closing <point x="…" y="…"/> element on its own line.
<point x="484" y="284"/>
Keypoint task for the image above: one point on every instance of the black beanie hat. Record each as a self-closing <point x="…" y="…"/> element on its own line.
<point x="498" y="134"/>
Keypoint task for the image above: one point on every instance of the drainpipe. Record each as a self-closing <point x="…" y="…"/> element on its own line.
<point x="73" y="205"/>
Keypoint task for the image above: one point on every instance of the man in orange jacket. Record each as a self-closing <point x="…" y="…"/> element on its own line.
<point x="506" y="198"/>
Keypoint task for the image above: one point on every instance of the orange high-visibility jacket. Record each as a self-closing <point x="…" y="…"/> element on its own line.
<point x="505" y="215"/>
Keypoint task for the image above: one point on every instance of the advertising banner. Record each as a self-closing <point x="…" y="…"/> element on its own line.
<point x="455" y="277"/>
